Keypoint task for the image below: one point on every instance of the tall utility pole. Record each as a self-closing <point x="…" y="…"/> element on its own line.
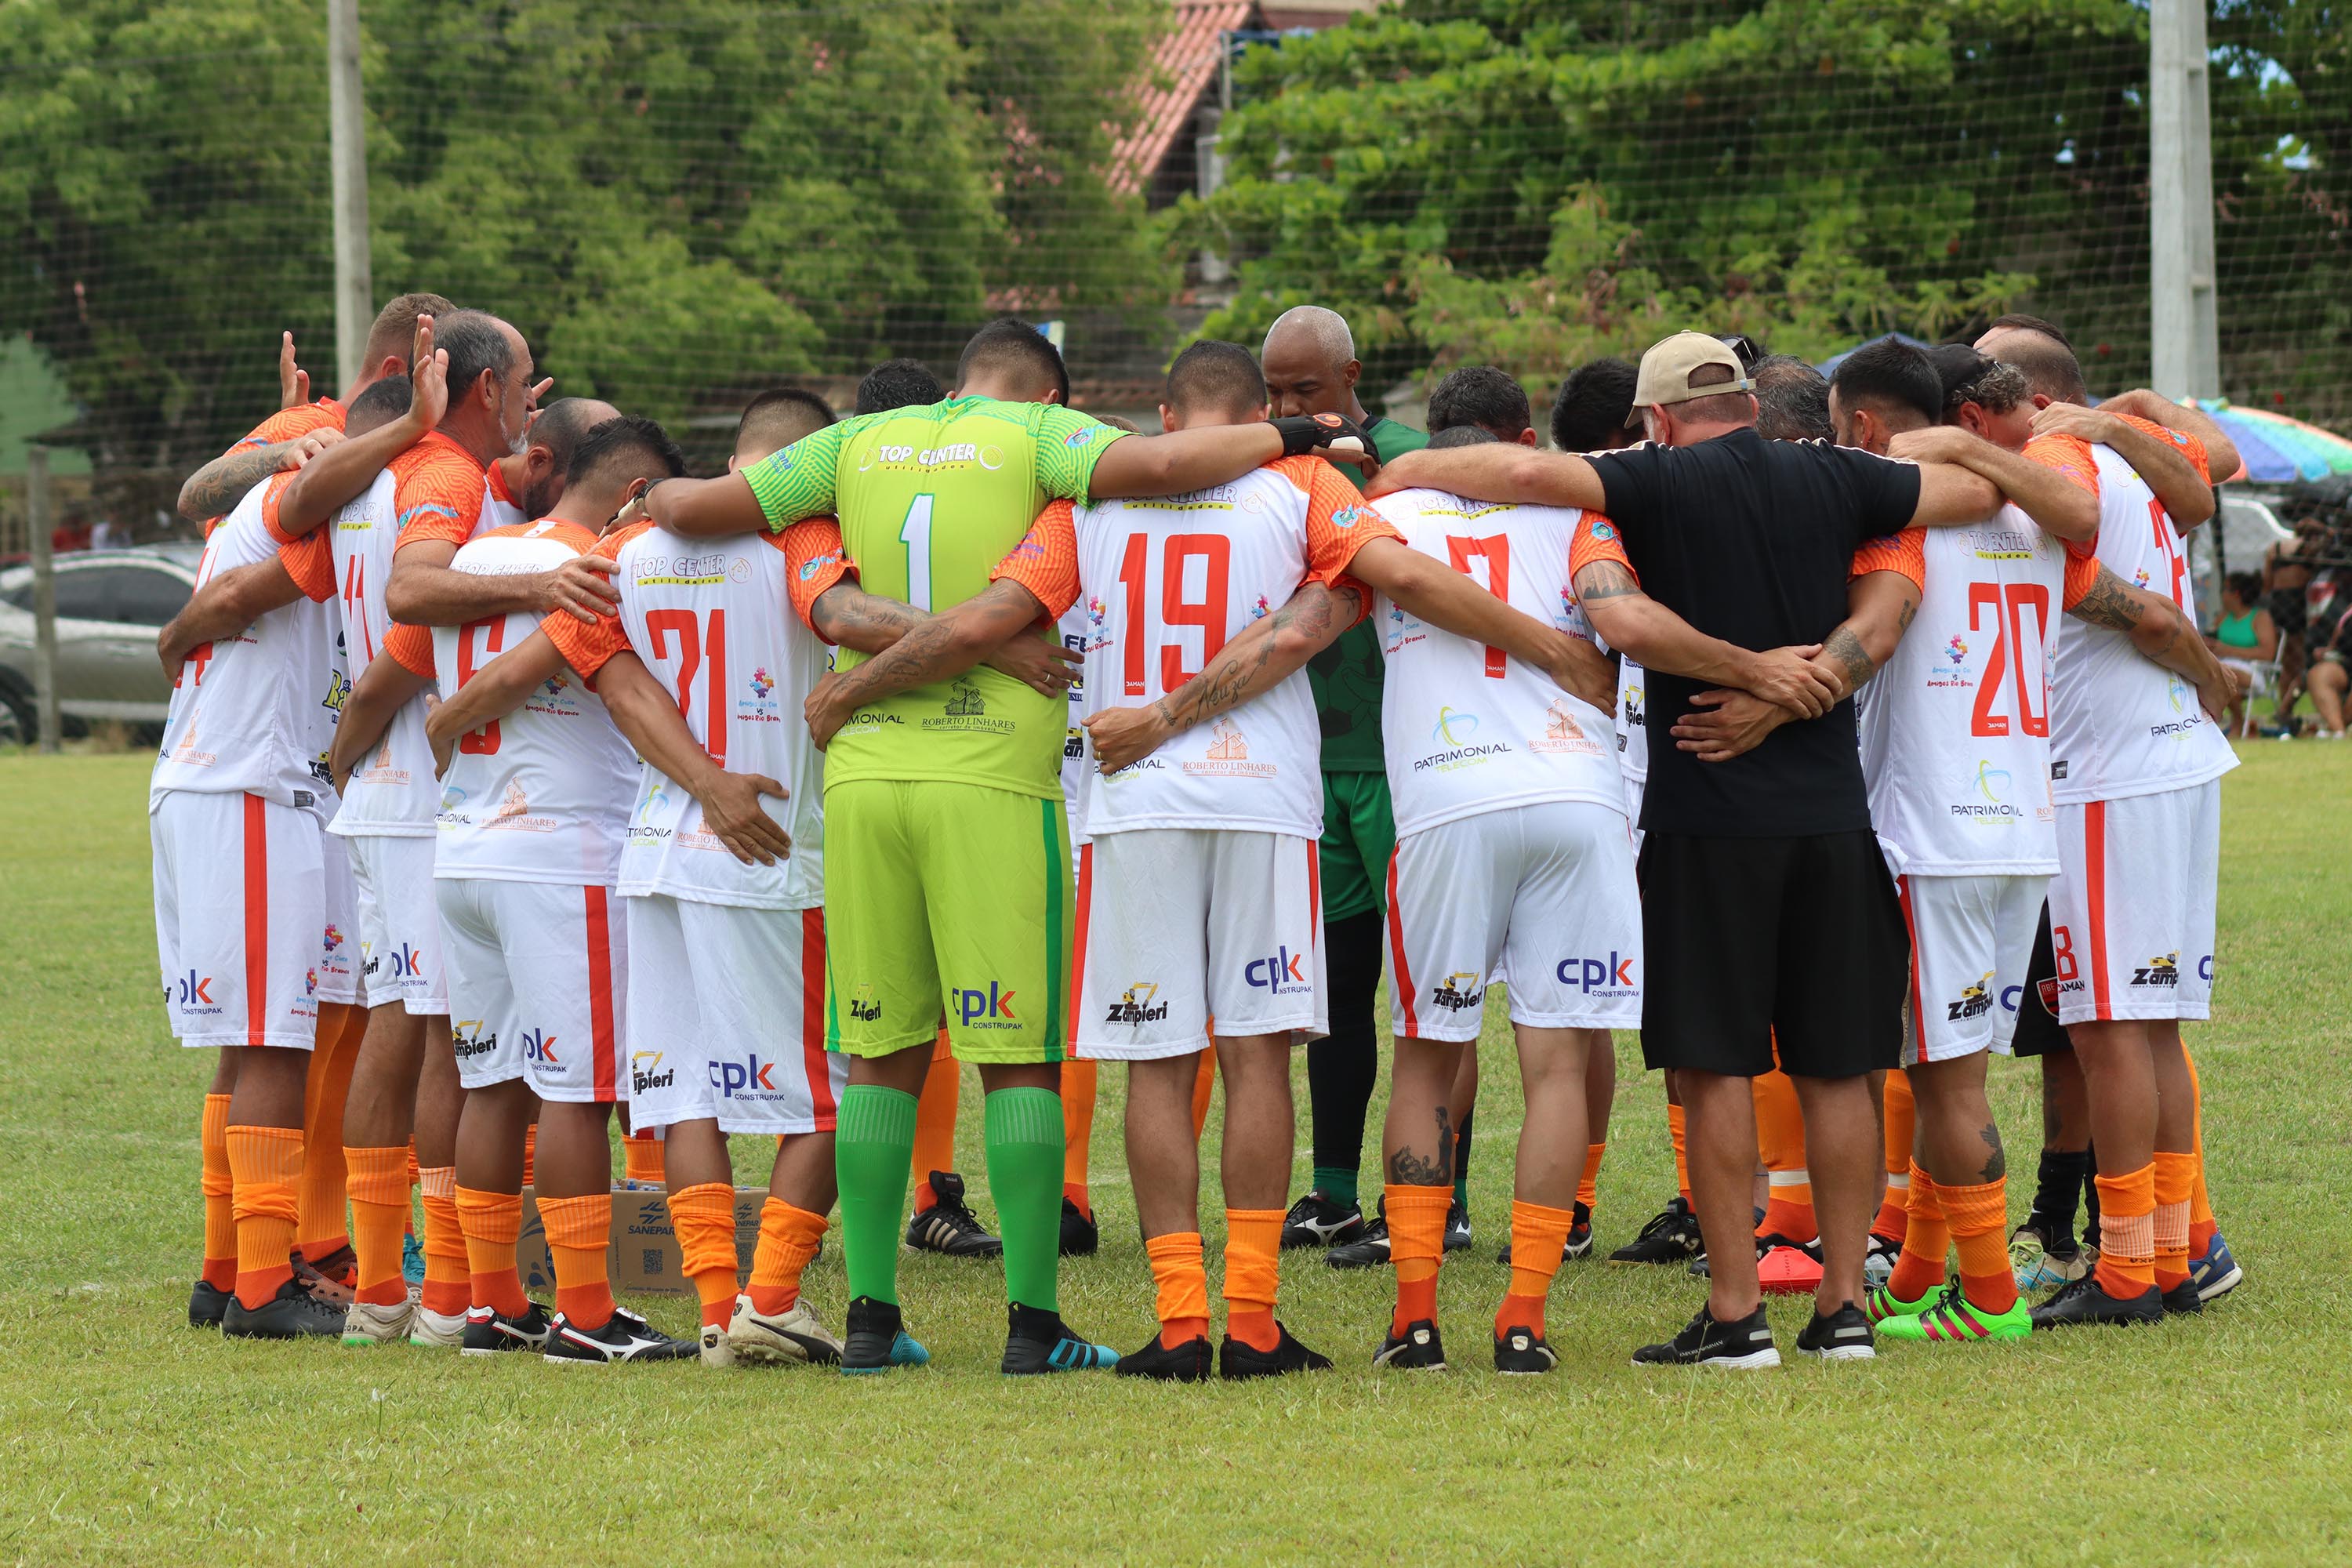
<point x="347" y="116"/>
<point x="2185" y="337"/>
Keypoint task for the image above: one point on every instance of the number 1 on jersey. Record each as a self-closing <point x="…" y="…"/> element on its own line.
<point x="1496" y="551"/>
<point x="915" y="533"/>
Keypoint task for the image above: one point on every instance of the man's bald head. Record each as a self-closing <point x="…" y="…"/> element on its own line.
<point x="2041" y="351"/>
<point x="536" y="475"/>
<point x="1310" y="362"/>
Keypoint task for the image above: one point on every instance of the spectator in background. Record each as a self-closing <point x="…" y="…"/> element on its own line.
<point x="73" y="533"/>
<point x="109" y="535"/>
<point x="2330" y="675"/>
<point x="2245" y="636"/>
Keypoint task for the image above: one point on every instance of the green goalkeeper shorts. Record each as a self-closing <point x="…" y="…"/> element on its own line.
<point x="947" y="900"/>
<point x="1358" y="836"/>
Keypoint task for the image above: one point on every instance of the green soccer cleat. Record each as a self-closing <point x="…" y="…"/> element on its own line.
<point x="1881" y="1304"/>
<point x="1952" y="1320"/>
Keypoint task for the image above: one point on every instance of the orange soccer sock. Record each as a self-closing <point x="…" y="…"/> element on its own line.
<point x="449" y="1289"/>
<point x="1787" y="1206"/>
<point x="265" y="1166"/>
<point x="935" y="1121"/>
<point x="1780" y="1143"/>
<point x="492" y="1222"/>
<point x="1203" y="1086"/>
<point x="578" y="1230"/>
<point x="1079" y="1085"/>
<point x="1537" y="1234"/>
<point x="704" y="1218"/>
<point x="1253" y="1245"/>
<point x="1900" y="1119"/>
<point x="378" y="1180"/>
<point x="1181" y="1281"/>
<point x="1926" y="1237"/>
<point x="530" y="1155"/>
<point x="1416" y="1246"/>
<point x="320" y="1229"/>
<point x="217" y="1184"/>
<point x="1893" y="1209"/>
<point x="2176" y="1179"/>
<point x="641" y="1159"/>
<point x="2127" y="1232"/>
<point x="788" y="1239"/>
<point x="1979" y="1219"/>
<point x="1588" y="1186"/>
<point x="1677" y="1129"/>
<point x="2200" y="1203"/>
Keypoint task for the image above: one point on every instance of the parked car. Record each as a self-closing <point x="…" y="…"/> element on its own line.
<point x="110" y="604"/>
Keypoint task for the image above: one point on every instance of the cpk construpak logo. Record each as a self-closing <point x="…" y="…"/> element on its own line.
<point x="195" y="995"/>
<point x="539" y="1045"/>
<point x="1285" y="973"/>
<point x="1138" y="1006"/>
<point x="1228" y="755"/>
<point x="749" y="1078"/>
<point x="1610" y="977"/>
<point x="989" y="1009"/>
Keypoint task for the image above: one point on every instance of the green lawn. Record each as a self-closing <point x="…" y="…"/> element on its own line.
<point x="125" y="1436"/>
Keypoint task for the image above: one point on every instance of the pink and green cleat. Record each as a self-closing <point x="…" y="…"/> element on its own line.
<point x="1952" y="1319"/>
<point x="1882" y="1305"/>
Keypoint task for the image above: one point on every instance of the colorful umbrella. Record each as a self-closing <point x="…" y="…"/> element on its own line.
<point x="2277" y="449"/>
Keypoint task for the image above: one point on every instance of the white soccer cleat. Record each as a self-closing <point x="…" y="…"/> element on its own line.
<point x="429" y="1330"/>
<point x="367" y="1323"/>
<point x="792" y="1335"/>
<point x="718" y="1350"/>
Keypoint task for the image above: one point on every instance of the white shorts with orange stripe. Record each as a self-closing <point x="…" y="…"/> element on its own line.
<point x="727" y="1018"/>
<point x="240" y="911"/>
<point x="1178" y="926"/>
<point x="2131" y="912"/>
<point x="1542" y="897"/>
<point x="536" y="974"/>
<point x="338" y="948"/>
<point x="399" y="922"/>
<point x="1970" y="939"/>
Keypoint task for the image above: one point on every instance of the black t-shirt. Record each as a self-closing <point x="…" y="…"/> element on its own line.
<point x="1751" y="541"/>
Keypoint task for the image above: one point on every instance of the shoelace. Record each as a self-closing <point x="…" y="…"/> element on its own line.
<point x="957" y="1217"/>
<point x="1665" y="1220"/>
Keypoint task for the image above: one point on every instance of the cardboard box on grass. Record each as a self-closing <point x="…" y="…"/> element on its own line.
<point x="642" y="1255"/>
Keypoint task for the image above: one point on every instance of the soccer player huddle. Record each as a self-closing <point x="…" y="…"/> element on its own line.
<point x="512" y="778"/>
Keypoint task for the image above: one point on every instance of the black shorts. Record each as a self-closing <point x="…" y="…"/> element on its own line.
<point x="2290" y="610"/>
<point x="2039" y="1032"/>
<point x="1752" y="940"/>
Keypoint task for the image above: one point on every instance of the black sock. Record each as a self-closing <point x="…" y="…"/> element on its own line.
<point x="1343" y="1067"/>
<point x="1462" y="1160"/>
<point x="2058" y="1185"/>
<point x="2091" y="1194"/>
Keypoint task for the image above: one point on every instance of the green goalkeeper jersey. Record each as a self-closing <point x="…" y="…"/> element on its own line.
<point x="929" y="500"/>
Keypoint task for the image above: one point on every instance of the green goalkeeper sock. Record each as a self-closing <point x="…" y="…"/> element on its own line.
<point x="1023" y="1133"/>
<point x="1334" y="1184"/>
<point x="872" y="1141"/>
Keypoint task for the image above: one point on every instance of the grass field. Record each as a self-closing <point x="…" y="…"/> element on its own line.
<point x="126" y="1437"/>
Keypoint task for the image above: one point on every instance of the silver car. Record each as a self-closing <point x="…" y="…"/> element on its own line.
<point x="110" y="604"/>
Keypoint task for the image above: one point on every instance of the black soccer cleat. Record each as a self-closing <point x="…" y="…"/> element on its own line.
<point x="1237" y="1361"/>
<point x="949" y="1227"/>
<point x="1843" y="1335"/>
<point x="1671" y="1237"/>
<point x="1418" y="1348"/>
<point x="1080" y="1236"/>
<point x="1520" y="1351"/>
<point x="1038" y="1342"/>
<point x="208" y="1304"/>
<point x="2182" y="1298"/>
<point x="875" y="1338"/>
<point x="1578" y="1245"/>
<point x="2083" y="1301"/>
<point x="1457" y="1225"/>
<point x="1742" y="1346"/>
<point x="489" y="1331"/>
<point x="624" y="1337"/>
<point x="1192" y="1362"/>
<point x="291" y="1314"/>
<point x="1319" y="1220"/>
<point x="1370" y="1251"/>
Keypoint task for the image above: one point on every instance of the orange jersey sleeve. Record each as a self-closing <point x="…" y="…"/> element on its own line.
<point x="438" y="492"/>
<point x="411" y="648"/>
<point x="1338" y="523"/>
<point x="289" y="424"/>
<point x="1596" y="541"/>
<point x="2190" y="447"/>
<point x="2068" y="455"/>
<point x="2081" y="572"/>
<point x="310" y="560"/>
<point x="587" y="644"/>
<point x="1905" y="552"/>
<point x="814" y="562"/>
<point x="1045" y="561"/>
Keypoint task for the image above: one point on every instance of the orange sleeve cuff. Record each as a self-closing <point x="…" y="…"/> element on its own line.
<point x="2081" y="572"/>
<point x="2067" y="454"/>
<point x="1905" y="552"/>
<point x="814" y="562"/>
<point x="585" y="645"/>
<point x="1045" y="561"/>
<point x="1596" y="541"/>
<point x="412" y="648"/>
<point x="311" y="561"/>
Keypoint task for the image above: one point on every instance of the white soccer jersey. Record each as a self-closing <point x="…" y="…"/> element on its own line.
<point x="1632" y="719"/>
<point x="253" y="713"/>
<point x="543" y="795"/>
<point x="1073" y="630"/>
<point x="498" y="509"/>
<point x="713" y="620"/>
<point x="1163" y="585"/>
<point x="1955" y="730"/>
<point x="1467" y="730"/>
<point x="2119" y="724"/>
<point x="391" y="791"/>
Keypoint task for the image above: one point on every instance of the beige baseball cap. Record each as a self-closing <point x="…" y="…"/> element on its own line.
<point x="1666" y="371"/>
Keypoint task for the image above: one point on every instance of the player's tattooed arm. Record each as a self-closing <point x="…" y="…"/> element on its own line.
<point x="232" y="601"/>
<point x="368" y="712"/>
<point x="214" y="489"/>
<point x="1724" y="724"/>
<point x="2163" y="636"/>
<point x="1654" y="636"/>
<point x="1407" y="1168"/>
<point x="943" y="646"/>
<point x="1266" y="654"/>
<point x="848" y="616"/>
